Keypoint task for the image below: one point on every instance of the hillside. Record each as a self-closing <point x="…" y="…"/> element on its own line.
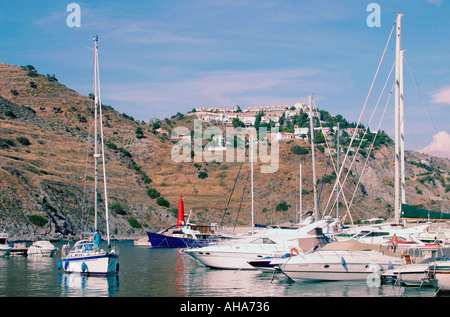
<point x="46" y="150"/>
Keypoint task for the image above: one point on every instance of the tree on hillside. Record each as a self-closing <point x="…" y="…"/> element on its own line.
<point x="237" y="123"/>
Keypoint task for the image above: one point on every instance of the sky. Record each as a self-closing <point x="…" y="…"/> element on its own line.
<point x="160" y="57"/>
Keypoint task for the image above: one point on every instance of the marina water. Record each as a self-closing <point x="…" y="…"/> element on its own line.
<point x="147" y="272"/>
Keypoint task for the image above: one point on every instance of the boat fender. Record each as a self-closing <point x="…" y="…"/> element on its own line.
<point x="59" y="265"/>
<point x="294" y="250"/>
<point x="117" y="267"/>
<point x="344" y="264"/>
<point x="83" y="267"/>
<point x="66" y="265"/>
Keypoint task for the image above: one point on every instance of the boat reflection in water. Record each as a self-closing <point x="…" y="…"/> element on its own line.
<point x="78" y="285"/>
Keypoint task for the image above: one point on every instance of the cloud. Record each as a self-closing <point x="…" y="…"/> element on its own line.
<point x="440" y="146"/>
<point x="436" y="2"/>
<point x="215" y="88"/>
<point x="442" y="96"/>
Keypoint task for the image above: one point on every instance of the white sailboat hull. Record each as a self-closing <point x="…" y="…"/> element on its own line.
<point x="95" y="264"/>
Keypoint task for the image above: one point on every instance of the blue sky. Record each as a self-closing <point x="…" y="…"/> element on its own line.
<point x="158" y="57"/>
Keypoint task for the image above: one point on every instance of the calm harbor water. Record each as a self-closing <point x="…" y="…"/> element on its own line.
<point x="147" y="272"/>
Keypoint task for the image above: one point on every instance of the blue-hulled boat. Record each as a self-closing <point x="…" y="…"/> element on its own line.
<point x="184" y="235"/>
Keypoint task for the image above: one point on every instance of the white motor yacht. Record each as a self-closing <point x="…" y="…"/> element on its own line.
<point x="337" y="261"/>
<point x="41" y="248"/>
<point x="270" y="242"/>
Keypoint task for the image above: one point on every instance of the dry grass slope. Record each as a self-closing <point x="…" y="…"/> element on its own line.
<point x="43" y="177"/>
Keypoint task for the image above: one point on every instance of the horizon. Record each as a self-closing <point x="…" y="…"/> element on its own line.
<point x="160" y="58"/>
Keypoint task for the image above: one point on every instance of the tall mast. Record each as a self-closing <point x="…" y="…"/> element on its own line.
<point x="96" y="155"/>
<point x="300" y="189"/>
<point x="251" y="165"/>
<point x="98" y="107"/>
<point x="398" y="118"/>
<point x="337" y="163"/>
<point x="316" y="212"/>
<point x="402" y="134"/>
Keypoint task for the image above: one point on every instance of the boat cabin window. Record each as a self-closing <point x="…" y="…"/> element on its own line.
<point x="374" y="233"/>
<point x="84" y="245"/>
<point x="263" y="241"/>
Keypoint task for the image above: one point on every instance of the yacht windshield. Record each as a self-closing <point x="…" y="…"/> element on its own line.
<point x="263" y="241"/>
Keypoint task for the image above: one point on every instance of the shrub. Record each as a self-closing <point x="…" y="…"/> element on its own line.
<point x="30" y="109"/>
<point x="202" y="175"/>
<point x="23" y="140"/>
<point x="156" y="125"/>
<point x="37" y="220"/>
<point x="127" y="117"/>
<point x="5" y="143"/>
<point x="125" y="152"/>
<point x="299" y="150"/>
<point x="419" y="191"/>
<point x="134" y="223"/>
<point x="33" y="84"/>
<point x="82" y="118"/>
<point x="117" y="208"/>
<point x="162" y="202"/>
<point x="153" y="193"/>
<point x="50" y="207"/>
<point x="14" y="92"/>
<point x="111" y="145"/>
<point x="283" y="206"/>
<point x="51" y="77"/>
<point x="10" y="113"/>
<point x="32" y="74"/>
<point x="29" y="68"/>
<point x="329" y="178"/>
<point x="139" y="133"/>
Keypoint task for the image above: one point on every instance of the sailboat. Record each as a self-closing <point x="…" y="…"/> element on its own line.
<point x="351" y="259"/>
<point x="85" y="257"/>
<point x="382" y="234"/>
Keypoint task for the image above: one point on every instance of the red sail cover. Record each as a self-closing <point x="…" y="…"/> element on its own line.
<point x="180" y="220"/>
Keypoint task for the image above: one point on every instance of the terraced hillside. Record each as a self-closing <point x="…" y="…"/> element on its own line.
<point x="46" y="134"/>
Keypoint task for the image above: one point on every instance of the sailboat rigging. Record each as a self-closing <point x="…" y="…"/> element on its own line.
<point x="86" y="257"/>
